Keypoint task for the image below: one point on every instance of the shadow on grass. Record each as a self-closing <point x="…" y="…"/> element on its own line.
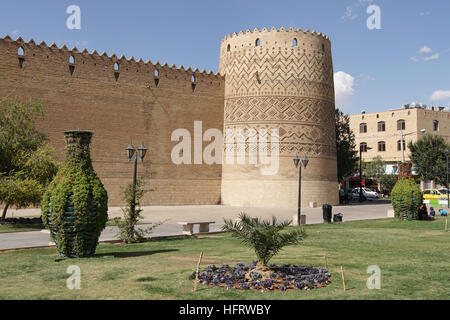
<point x="132" y="254"/>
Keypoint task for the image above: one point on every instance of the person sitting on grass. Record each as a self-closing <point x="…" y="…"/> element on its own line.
<point x="443" y="213"/>
<point x="432" y="212"/>
<point x="423" y="213"/>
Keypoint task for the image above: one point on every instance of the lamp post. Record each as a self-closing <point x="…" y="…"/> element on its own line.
<point x="139" y="152"/>
<point x="403" y="139"/>
<point x="360" y="171"/>
<point x="299" y="164"/>
<point x="447" y="154"/>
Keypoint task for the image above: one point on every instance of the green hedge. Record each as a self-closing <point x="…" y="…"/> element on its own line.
<point x="407" y="198"/>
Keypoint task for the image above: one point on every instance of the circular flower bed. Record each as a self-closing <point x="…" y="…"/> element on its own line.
<point x="256" y="277"/>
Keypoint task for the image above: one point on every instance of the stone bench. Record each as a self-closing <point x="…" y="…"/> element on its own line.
<point x="188" y="227"/>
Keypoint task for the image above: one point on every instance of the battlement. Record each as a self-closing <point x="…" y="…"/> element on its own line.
<point x="274" y="40"/>
<point x="264" y="30"/>
<point x="111" y="62"/>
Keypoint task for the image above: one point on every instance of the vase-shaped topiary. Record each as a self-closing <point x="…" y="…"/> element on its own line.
<point x="75" y="205"/>
<point x="407" y="199"/>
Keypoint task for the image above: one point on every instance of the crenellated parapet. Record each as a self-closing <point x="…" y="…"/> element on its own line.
<point x="75" y="63"/>
<point x="279" y="62"/>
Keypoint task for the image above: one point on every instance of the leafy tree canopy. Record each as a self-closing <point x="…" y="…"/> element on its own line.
<point x="26" y="161"/>
<point x="347" y="153"/>
<point x="375" y="168"/>
<point x="428" y="157"/>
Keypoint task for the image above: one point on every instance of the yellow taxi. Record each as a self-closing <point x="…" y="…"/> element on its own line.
<point x="433" y="194"/>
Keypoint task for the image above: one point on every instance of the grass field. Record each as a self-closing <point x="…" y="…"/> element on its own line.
<point x="21" y="227"/>
<point x="413" y="256"/>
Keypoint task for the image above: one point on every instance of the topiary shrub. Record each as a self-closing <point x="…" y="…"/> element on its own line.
<point x="75" y="205"/>
<point x="407" y="199"/>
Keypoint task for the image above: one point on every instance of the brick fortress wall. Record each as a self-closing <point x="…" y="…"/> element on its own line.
<point x="132" y="103"/>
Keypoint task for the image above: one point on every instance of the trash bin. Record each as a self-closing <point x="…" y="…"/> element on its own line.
<point x="326" y="208"/>
<point x="338" y="217"/>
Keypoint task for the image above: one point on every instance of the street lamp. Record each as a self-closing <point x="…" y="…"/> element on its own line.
<point x="139" y="152"/>
<point x="360" y="170"/>
<point x="299" y="164"/>
<point x="423" y="131"/>
<point x="447" y="154"/>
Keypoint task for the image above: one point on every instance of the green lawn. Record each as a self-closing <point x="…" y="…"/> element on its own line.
<point x="413" y="256"/>
<point x="21" y="227"/>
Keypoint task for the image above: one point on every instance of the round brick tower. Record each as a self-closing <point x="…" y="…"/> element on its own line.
<point x="278" y="83"/>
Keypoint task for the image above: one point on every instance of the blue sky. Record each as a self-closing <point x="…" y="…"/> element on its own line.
<point x="407" y="60"/>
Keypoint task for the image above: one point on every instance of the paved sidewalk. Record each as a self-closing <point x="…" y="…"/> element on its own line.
<point x="172" y="215"/>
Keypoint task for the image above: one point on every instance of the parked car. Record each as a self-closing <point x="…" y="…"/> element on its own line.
<point x="443" y="191"/>
<point x="433" y="194"/>
<point x="367" y="194"/>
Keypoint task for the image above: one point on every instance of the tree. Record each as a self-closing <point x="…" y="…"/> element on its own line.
<point x="128" y="231"/>
<point x="26" y="162"/>
<point x="263" y="236"/>
<point x="428" y="157"/>
<point x="388" y="181"/>
<point x="347" y="153"/>
<point x="375" y="168"/>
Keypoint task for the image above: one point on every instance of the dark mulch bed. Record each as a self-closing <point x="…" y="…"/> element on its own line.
<point x="272" y="278"/>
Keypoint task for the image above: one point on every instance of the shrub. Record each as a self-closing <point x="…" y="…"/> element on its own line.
<point x="265" y="237"/>
<point x="406" y="199"/>
<point x="128" y="231"/>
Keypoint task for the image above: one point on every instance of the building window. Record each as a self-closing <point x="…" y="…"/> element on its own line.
<point x="381" y="146"/>
<point x="294" y="42"/>
<point x="399" y="145"/>
<point x="228" y="48"/>
<point x="381" y="126"/>
<point x="363" y="128"/>
<point x="116" y="66"/>
<point x="401" y="125"/>
<point x="435" y="125"/>
<point x="21" y="52"/>
<point x="257" y="43"/>
<point x="363" y="147"/>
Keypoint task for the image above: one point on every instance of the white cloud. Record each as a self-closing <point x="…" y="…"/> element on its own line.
<point x="350" y="13"/>
<point x="343" y="86"/>
<point x="366" y="77"/>
<point x="433" y="57"/>
<point x="440" y="95"/>
<point x="425" y="50"/>
<point x="425" y="14"/>
<point x="82" y="43"/>
<point x="414" y="59"/>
